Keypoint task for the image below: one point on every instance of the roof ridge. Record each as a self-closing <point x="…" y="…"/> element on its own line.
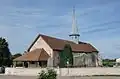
<point x="58" y="44"/>
<point x="55" y="37"/>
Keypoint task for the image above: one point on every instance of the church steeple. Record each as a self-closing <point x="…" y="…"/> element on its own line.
<point x="74" y="35"/>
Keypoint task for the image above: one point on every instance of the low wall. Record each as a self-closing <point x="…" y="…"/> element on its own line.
<point x="64" y="71"/>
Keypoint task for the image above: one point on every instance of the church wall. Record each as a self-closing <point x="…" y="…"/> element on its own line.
<point x="80" y="59"/>
<point x="40" y="43"/>
<point x="85" y="59"/>
<point x="56" y="59"/>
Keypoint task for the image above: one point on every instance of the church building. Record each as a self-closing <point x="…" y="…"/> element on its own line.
<point x="44" y="51"/>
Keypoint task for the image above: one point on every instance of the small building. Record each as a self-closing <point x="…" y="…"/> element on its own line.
<point x="117" y="62"/>
<point x="44" y="52"/>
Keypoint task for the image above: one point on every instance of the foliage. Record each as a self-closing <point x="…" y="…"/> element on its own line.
<point x="49" y="74"/>
<point x="5" y="55"/>
<point x="16" y="55"/>
<point x="108" y="62"/>
<point x="66" y="56"/>
<point x="61" y="64"/>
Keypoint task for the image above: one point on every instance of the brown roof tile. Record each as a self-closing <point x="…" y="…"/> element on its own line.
<point x="58" y="44"/>
<point x="35" y="55"/>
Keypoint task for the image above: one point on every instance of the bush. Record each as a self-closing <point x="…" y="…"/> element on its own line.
<point x="108" y="62"/>
<point x="49" y="74"/>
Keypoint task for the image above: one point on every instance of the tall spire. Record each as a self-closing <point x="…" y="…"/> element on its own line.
<point x="74" y="35"/>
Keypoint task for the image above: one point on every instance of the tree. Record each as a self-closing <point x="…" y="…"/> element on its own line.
<point x="16" y="55"/>
<point x="5" y="55"/>
<point x="66" y="56"/>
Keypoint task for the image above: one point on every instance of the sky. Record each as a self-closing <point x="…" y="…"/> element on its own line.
<point x="98" y="22"/>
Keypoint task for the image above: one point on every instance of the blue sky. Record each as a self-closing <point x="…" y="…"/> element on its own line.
<point x="98" y="22"/>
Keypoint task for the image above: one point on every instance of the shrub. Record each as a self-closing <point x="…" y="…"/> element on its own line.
<point x="66" y="57"/>
<point x="49" y="74"/>
<point x="108" y="62"/>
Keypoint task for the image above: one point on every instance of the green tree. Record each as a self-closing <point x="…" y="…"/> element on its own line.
<point x="66" y="56"/>
<point x="108" y="62"/>
<point x="5" y="55"/>
<point x="62" y="58"/>
<point x="16" y="55"/>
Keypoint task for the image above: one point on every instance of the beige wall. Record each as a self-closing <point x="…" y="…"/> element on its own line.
<point x="40" y="43"/>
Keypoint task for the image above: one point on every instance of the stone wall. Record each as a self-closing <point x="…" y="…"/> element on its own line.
<point x="86" y="59"/>
<point x="65" y="71"/>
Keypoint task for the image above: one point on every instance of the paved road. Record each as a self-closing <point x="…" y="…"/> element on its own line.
<point x="31" y="77"/>
<point x="95" y="77"/>
<point x="17" y="77"/>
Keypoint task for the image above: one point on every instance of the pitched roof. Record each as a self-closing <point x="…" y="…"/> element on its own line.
<point x="35" y="55"/>
<point x="58" y="44"/>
